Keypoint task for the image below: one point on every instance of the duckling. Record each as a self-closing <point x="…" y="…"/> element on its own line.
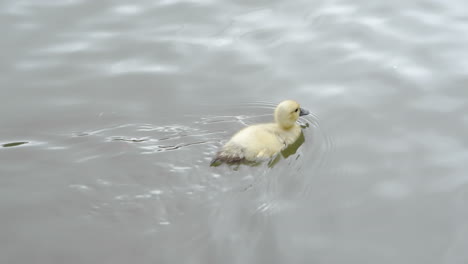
<point x="262" y="141"/>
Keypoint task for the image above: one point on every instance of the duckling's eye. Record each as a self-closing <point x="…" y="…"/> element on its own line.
<point x="296" y="110"/>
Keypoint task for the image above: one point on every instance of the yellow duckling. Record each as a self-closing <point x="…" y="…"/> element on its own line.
<point x="262" y="141"/>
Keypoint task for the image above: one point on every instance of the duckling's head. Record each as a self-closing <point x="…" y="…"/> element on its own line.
<point x="287" y="113"/>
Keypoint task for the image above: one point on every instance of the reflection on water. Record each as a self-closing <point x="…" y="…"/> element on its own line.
<point x="113" y="110"/>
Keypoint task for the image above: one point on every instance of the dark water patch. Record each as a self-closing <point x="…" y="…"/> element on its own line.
<point x="14" y="144"/>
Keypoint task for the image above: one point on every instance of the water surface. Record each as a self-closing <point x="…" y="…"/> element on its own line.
<point x="111" y="112"/>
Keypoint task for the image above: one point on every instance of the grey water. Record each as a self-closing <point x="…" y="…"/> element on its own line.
<point x="111" y="111"/>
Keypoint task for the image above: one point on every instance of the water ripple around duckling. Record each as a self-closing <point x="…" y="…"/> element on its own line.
<point x="172" y="176"/>
<point x="277" y="187"/>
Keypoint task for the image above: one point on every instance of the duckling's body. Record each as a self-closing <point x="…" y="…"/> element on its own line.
<point x="262" y="141"/>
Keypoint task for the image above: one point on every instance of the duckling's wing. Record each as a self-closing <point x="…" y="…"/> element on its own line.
<point x="230" y="153"/>
<point x="258" y="142"/>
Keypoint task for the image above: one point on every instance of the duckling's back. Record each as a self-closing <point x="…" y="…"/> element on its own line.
<point x="253" y="143"/>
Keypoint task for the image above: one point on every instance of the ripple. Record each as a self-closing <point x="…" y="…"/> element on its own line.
<point x="101" y="130"/>
<point x="162" y="148"/>
<point x="133" y="140"/>
<point x="71" y="47"/>
<point x="128" y="10"/>
<point x="37" y="64"/>
<point x="314" y="154"/>
<point x="175" y="2"/>
<point x="156" y="192"/>
<point x="88" y="158"/>
<point x="174" y="137"/>
<point x="138" y="66"/>
<point x="80" y="187"/>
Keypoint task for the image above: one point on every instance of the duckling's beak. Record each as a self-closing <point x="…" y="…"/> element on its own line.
<point x="303" y="112"/>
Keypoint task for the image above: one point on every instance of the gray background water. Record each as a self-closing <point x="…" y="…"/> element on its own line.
<point x="111" y="111"/>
